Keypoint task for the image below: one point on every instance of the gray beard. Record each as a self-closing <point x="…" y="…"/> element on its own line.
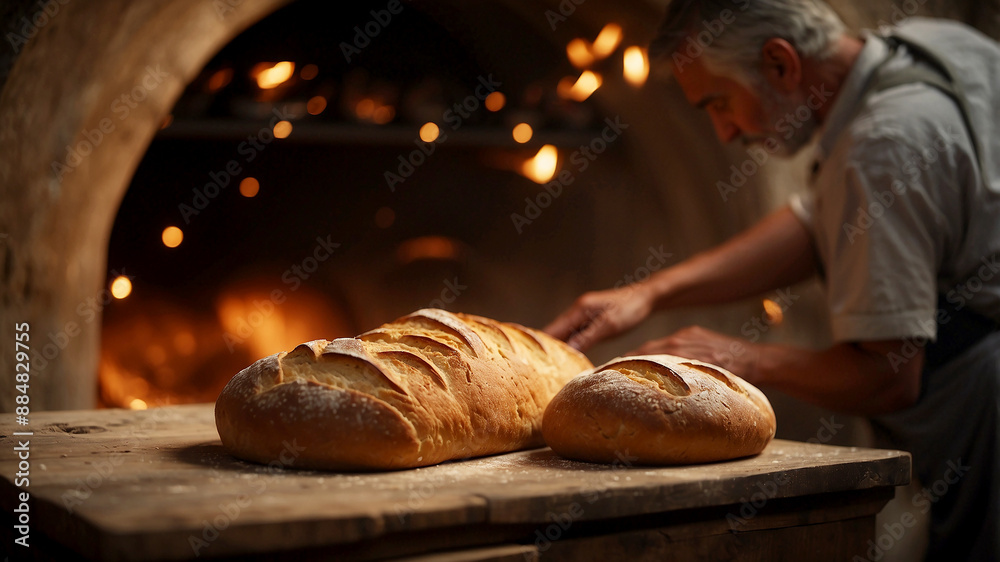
<point x="795" y="135"/>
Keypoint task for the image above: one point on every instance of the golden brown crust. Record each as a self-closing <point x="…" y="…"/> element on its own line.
<point x="658" y="409"/>
<point x="429" y="387"/>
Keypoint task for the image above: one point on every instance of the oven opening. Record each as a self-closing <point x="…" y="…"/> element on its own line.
<point x="336" y="167"/>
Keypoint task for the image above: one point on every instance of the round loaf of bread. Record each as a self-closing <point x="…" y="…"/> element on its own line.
<point x="429" y="387"/>
<point x="658" y="410"/>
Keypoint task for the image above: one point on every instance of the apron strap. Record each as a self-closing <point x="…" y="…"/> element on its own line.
<point x="936" y="73"/>
<point x="964" y="328"/>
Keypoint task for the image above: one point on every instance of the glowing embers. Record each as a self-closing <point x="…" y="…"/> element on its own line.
<point x="309" y="72"/>
<point x="774" y="314"/>
<point x="429" y="132"/>
<point x="220" y="79"/>
<point x="588" y="56"/>
<point x="607" y="41"/>
<point x="157" y="351"/>
<point x="249" y="187"/>
<point x="374" y="111"/>
<point x="581" y="88"/>
<point x="582" y="54"/>
<point x="635" y="66"/>
<point x="172" y="236"/>
<point x="578" y="53"/>
<point x="522" y="133"/>
<point x="269" y="76"/>
<point x="429" y="248"/>
<point x="316" y="105"/>
<point x="282" y="129"/>
<point x="495" y="101"/>
<point x="121" y="287"/>
<point x="543" y="166"/>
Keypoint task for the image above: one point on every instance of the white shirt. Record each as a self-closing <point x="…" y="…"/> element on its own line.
<point x="898" y="208"/>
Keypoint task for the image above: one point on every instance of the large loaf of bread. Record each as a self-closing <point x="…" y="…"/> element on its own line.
<point x="429" y="387"/>
<point x="656" y="410"/>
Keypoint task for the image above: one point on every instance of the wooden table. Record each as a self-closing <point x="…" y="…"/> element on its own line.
<point x="156" y="484"/>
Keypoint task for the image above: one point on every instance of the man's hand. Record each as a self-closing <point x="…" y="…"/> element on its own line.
<point x="777" y="252"/>
<point x="734" y="354"/>
<point x="599" y="315"/>
<point x="864" y="378"/>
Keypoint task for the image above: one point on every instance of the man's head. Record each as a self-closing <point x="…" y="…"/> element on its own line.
<point x="745" y="61"/>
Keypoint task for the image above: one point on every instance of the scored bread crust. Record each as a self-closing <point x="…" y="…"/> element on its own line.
<point x="429" y="387"/>
<point x="658" y="410"/>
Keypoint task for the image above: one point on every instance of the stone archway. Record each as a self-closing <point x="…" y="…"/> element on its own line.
<point x="85" y="96"/>
<point x="80" y="106"/>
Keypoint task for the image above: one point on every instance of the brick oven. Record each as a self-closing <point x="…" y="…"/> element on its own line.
<point x="171" y="123"/>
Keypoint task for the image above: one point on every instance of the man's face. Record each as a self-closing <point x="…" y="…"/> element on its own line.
<point x="753" y="116"/>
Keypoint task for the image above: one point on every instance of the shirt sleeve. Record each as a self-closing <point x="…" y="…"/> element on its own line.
<point x="883" y="227"/>
<point x="803" y="205"/>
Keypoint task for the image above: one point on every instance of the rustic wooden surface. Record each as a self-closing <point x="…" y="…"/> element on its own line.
<point x="156" y="484"/>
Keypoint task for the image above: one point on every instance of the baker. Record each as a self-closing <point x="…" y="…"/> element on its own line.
<point x="901" y="221"/>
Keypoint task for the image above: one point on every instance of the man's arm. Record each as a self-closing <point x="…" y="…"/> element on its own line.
<point x="776" y="252"/>
<point x="865" y="378"/>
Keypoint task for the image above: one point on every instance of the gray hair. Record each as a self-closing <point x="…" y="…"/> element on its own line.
<point x="731" y="33"/>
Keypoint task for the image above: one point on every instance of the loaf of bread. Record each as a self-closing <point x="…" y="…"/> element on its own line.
<point x="427" y="388"/>
<point x="658" y="410"/>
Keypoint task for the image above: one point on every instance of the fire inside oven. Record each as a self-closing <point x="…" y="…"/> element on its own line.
<point x="333" y="168"/>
